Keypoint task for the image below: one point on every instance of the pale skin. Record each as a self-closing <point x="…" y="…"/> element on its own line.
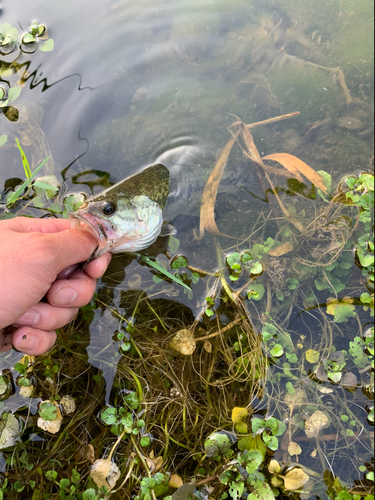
<point x="39" y="260"/>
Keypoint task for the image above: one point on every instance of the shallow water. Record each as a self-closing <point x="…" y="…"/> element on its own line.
<point x="129" y="84"/>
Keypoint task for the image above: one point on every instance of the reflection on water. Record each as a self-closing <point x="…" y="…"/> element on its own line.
<point x="129" y="85"/>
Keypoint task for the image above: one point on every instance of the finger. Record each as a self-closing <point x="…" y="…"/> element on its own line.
<point x="33" y="341"/>
<point x="76" y="246"/>
<point x="77" y="291"/>
<point x="98" y="267"/>
<point x="28" y="225"/>
<point x="46" y="317"/>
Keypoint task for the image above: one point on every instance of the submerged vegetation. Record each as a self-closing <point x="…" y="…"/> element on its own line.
<point x="185" y="403"/>
<point x="243" y="370"/>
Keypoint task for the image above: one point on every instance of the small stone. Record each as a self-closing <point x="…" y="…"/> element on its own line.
<point x="68" y="404"/>
<point x="316" y="423"/>
<point x="349" y="123"/>
<point x="141" y="94"/>
<point x="184" y="342"/>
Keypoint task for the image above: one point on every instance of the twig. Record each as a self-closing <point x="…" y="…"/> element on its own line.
<point x="228" y="327"/>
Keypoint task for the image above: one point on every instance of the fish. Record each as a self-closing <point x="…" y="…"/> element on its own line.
<point x="128" y="216"/>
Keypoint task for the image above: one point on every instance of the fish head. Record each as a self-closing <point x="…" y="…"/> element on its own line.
<point x="122" y="225"/>
<point x="127" y="217"/>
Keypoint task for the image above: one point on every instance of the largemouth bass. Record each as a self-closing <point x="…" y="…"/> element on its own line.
<point x="128" y="216"/>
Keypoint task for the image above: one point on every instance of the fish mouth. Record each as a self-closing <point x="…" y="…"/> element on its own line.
<point x="88" y="219"/>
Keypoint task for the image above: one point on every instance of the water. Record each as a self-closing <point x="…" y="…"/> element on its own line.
<point x="130" y="84"/>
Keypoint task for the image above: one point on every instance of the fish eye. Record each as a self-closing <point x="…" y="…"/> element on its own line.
<point x="108" y="208"/>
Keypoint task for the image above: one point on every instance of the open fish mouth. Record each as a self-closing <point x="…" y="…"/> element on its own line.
<point x="88" y="219"/>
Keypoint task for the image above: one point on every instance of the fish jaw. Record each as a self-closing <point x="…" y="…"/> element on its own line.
<point x="129" y="230"/>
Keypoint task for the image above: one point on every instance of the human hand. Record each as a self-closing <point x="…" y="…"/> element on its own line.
<point x="39" y="257"/>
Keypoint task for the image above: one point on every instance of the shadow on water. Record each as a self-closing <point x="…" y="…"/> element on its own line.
<point x="276" y="320"/>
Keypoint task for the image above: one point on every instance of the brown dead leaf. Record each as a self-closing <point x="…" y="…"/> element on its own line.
<point x="154" y="464"/>
<point x="175" y="481"/>
<point x="207" y="346"/>
<point x="274" y="467"/>
<point x="207" y="213"/>
<point x="90" y="453"/>
<point x="295" y="479"/>
<point x="294" y="448"/>
<point x="104" y="473"/>
<point x="281" y="250"/>
<point x="250" y="144"/>
<point x="295" y="165"/>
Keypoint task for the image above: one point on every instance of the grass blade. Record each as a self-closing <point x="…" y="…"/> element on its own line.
<point x="26" y="183"/>
<point x="25" y="162"/>
<point x="161" y="269"/>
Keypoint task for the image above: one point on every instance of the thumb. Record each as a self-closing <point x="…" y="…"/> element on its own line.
<point x="71" y="246"/>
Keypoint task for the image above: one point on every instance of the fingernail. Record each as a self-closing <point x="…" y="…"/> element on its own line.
<point x="29" y="318"/>
<point x="28" y="342"/>
<point x="64" y="297"/>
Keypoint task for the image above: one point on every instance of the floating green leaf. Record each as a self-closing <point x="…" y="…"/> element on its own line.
<point x="47" y="411"/>
<point x="14" y="93"/>
<point x="161" y="269"/>
<point x="178" y="262"/>
<point x="48" y="46"/>
<point x="255" y="291"/>
<point x="217" y="444"/>
<point x="277" y="351"/>
<point x="173" y="244"/>
<point x="342" y="309"/>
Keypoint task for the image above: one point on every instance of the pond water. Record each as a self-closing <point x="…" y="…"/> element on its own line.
<point x="131" y="84"/>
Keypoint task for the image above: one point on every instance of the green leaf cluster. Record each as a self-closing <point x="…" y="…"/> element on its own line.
<point x="124" y="418"/>
<point x="242" y="474"/>
<point x="158" y="484"/>
<point x="278" y="342"/>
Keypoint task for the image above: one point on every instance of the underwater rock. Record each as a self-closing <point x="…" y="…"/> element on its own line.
<point x="349" y="123"/>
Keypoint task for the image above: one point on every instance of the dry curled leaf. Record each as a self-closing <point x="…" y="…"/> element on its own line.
<point x="207" y="346"/>
<point x="90" y="453"/>
<point x="155" y="464"/>
<point x="295" y="165"/>
<point x="207" y="213"/>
